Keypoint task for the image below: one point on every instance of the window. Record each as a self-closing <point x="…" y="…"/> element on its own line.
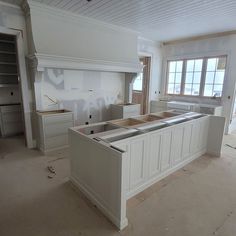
<point x="197" y="77"/>
<point x="138" y="83"/>
<point x="175" y="75"/>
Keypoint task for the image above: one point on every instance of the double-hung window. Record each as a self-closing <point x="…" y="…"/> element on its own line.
<point x="196" y="77"/>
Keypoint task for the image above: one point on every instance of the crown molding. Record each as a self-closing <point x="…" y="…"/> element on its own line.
<point x="42" y="61"/>
<point x="201" y="37"/>
<point x="52" y="11"/>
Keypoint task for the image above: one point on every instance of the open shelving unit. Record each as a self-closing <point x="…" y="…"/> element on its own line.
<point x="8" y="61"/>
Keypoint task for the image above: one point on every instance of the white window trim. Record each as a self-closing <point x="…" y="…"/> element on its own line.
<point x="203" y="74"/>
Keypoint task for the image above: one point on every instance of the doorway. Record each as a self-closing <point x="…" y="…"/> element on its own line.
<point x="15" y="117"/>
<point x="140" y="92"/>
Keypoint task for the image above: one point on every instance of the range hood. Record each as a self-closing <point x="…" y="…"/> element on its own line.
<point x="69" y="41"/>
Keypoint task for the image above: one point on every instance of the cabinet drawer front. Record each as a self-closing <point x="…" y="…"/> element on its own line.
<point x="58" y="119"/>
<point x="55" y="142"/>
<point x="10" y="108"/>
<point x="56" y="129"/>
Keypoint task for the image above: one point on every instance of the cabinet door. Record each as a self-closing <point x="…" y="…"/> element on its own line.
<point x="138" y="161"/>
<point x="177" y="143"/>
<point x="166" y="150"/>
<point x="204" y="124"/>
<point x="155" y="154"/>
<point x="187" y="140"/>
<point x="125" y="146"/>
<point x="195" y="137"/>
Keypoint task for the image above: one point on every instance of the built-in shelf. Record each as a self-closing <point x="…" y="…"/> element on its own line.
<point x="7" y="52"/>
<point x="9" y="85"/>
<point x="9" y="74"/>
<point x="7" y="63"/>
<point x="6" y="41"/>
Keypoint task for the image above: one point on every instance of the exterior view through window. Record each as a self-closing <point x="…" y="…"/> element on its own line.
<point x="196" y="77"/>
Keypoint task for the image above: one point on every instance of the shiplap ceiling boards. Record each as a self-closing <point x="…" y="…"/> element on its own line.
<point x="160" y="20"/>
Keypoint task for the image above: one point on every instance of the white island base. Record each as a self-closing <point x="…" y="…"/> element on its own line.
<point x="110" y="166"/>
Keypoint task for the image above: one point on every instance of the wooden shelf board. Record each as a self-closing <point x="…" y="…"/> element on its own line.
<point x="8" y="74"/>
<point x="7" y="52"/>
<point x="8" y="85"/>
<point x="7" y="63"/>
<point x="7" y="41"/>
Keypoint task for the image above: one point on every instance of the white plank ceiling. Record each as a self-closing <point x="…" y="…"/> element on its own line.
<point x="160" y="20"/>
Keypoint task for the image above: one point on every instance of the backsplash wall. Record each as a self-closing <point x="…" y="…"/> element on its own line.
<point x="86" y="93"/>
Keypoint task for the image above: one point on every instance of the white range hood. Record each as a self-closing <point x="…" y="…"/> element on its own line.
<point x="69" y="41"/>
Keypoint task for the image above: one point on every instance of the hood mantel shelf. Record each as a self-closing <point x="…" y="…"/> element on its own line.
<point x="42" y="61"/>
<point x="64" y="40"/>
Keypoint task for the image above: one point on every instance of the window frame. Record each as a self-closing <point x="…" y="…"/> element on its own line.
<point x="202" y="79"/>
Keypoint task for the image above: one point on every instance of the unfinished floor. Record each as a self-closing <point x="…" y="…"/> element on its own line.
<point x="199" y="199"/>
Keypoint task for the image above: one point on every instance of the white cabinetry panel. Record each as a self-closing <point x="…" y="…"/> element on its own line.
<point x="155" y="154"/>
<point x="138" y="152"/>
<point x="177" y="144"/>
<point x="187" y="140"/>
<point x="166" y="150"/>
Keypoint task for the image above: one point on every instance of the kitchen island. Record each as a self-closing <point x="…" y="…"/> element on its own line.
<point x="113" y="161"/>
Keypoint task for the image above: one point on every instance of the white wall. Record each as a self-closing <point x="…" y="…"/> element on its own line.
<point x="83" y="92"/>
<point x="149" y="48"/>
<point x="208" y="47"/>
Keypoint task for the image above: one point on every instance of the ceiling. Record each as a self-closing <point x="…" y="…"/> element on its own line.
<point x="161" y="20"/>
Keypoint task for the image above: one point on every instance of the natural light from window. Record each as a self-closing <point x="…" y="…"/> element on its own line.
<point x="196" y="77"/>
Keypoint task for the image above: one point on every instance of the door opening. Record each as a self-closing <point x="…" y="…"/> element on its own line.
<point x="140" y="92"/>
<point x="11" y="108"/>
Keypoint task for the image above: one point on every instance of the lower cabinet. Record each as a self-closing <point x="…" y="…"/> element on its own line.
<point x="53" y="130"/>
<point x="11" y="120"/>
<point x="157" y="152"/>
<point x="166" y="146"/>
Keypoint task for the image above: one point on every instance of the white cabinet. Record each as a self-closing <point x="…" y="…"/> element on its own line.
<point x="156" y="153"/>
<point x="158" y="106"/>
<point x="187" y="140"/>
<point x="155" y="141"/>
<point x="121" y="111"/>
<point x="11" y="120"/>
<point x="166" y="150"/>
<point x="137" y="161"/>
<point x="211" y="109"/>
<point x="53" y="130"/>
<point x="177" y="144"/>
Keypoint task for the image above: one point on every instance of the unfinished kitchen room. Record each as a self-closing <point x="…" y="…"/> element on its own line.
<point x="117" y="117"/>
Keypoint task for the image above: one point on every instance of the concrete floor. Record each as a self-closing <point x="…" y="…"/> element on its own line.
<point x="198" y="200"/>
